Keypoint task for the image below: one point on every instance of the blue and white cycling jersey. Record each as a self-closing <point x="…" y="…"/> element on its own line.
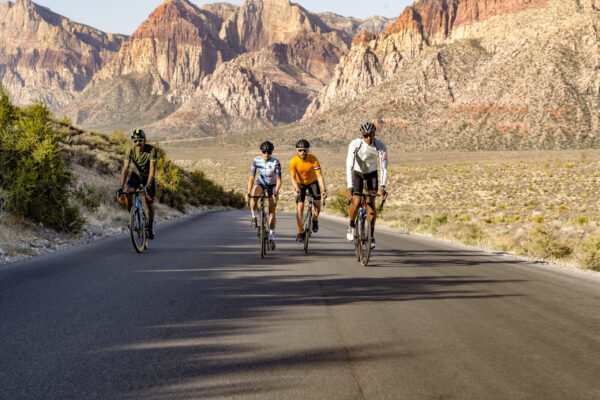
<point x="268" y="171"/>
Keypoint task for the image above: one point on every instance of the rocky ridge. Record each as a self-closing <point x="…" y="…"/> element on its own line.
<point x="204" y="71"/>
<point x="472" y="74"/>
<point x="48" y="57"/>
<point x="354" y="26"/>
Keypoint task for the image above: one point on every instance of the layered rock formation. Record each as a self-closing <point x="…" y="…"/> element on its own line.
<point x="179" y="43"/>
<point x="261" y="23"/>
<point x="47" y="57"/>
<point x="472" y="74"/>
<point x="263" y="62"/>
<point x="354" y="26"/>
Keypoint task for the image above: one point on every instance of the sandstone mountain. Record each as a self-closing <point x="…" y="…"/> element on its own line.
<point x="48" y="57"/>
<point x="192" y="71"/>
<point x="471" y="74"/>
<point x="354" y="26"/>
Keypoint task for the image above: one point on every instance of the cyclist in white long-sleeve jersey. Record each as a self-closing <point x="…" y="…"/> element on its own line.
<point x="364" y="156"/>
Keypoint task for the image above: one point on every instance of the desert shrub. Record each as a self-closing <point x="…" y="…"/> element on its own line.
<point x="339" y="202"/>
<point x="65" y="121"/>
<point x="33" y="172"/>
<point x="545" y="245"/>
<point x="88" y="196"/>
<point x="589" y="254"/>
<point x="168" y="184"/>
<point x="120" y="141"/>
<point x="204" y="191"/>
<point x="177" y="187"/>
<point x="467" y="233"/>
<point x="439" y="219"/>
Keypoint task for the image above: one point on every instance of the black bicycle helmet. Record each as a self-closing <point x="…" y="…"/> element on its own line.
<point x="267" y="146"/>
<point x="138" y="134"/>
<point x="368" y="128"/>
<point x="302" y="144"/>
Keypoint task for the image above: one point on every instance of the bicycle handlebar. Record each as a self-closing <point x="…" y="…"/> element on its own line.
<point x="366" y="194"/>
<point x="138" y="191"/>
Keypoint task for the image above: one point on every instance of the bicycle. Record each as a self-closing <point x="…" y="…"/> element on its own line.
<point x="138" y="222"/>
<point x="308" y="222"/>
<point x="362" y="232"/>
<point x="263" y="225"/>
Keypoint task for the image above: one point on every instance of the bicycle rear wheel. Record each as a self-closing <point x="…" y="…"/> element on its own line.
<point x="307" y="229"/>
<point x="366" y="240"/>
<point x="137" y="229"/>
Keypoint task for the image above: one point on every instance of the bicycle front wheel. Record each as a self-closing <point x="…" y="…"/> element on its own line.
<point x="263" y="234"/>
<point x="357" y="235"/>
<point x="307" y="229"/>
<point x="137" y="229"/>
<point x="145" y="219"/>
<point x="366" y="240"/>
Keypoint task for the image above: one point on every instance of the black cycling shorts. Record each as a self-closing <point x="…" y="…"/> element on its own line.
<point x="134" y="182"/>
<point x="371" y="178"/>
<point x="312" y="188"/>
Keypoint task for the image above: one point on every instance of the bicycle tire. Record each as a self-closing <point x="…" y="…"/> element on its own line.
<point x="262" y="233"/>
<point x="145" y="219"/>
<point x="357" y="234"/>
<point x="138" y="235"/>
<point x="366" y="248"/>
<point x="307" y="230"/>
<point x="266" y="231"/>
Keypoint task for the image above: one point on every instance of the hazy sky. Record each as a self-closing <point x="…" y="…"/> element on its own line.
<point x="124" y="16"/>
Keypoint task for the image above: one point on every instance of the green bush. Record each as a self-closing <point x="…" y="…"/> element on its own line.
<point x="544" y="245"/>
<point x="32" y="170"/>
<point x="176" y="187"/>
<point x="590" y="254"/>
<point x="468" y="233"/>
<point x="339" y="202"/>
<point x="89" y="197"/>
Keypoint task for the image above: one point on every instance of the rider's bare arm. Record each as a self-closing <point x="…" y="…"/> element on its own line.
<point x="152" y="171"/>
<point x="250" y="183"/>
<point x="124" y="173"/>
<point x="278" y="186"/>
<point x="321" y="180"/>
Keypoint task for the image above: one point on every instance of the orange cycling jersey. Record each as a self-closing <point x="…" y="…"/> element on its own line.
<point x="305" y="171"/>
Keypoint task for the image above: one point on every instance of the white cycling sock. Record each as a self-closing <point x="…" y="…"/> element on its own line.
<point x="253" y="213"/>
<point x="272" y="234"/>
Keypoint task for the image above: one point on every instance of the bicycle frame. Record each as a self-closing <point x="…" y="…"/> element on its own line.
<point x="138" y="224"/>
<point x="263" y="231"/>
<point x="362" y="233"/>
<point x="308" y="218"/>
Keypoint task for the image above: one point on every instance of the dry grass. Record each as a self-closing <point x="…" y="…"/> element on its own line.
<point x="539" y="204"/>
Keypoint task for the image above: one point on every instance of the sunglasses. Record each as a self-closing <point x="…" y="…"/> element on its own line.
<point x="267" y="152"/>
<point x="302" y="150"/>
<point x="138" y="140"/>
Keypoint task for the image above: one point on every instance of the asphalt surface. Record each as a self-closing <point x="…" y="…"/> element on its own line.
<point x="200" y="315"/>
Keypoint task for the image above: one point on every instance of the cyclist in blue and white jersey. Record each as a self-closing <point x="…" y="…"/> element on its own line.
<point x="269" y="181"/>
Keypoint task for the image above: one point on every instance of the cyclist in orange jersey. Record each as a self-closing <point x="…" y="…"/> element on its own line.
<point x="306" y="175"/>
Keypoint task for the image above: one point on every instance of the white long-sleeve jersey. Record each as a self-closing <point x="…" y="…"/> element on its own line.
<point x="363" y="158"/>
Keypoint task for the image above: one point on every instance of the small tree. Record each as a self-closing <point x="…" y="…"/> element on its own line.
<point x="8" y="118"/>
<point x="38" y="185"/>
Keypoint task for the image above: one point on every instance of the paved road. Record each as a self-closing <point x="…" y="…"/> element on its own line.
<point x="201" y="316"/>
